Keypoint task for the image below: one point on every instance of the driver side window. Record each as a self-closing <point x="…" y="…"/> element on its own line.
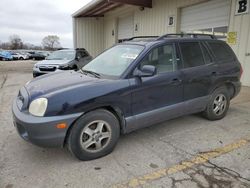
<point x="162" y="57"/>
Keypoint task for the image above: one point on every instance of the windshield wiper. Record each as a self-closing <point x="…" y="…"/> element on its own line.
<point x="90" y="72"/>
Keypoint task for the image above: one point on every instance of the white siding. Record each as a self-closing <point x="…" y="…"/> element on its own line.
<point x="111" y="23"/>
<point x="154" y="21"/>
<point x="109" y="29"/>
<point x="89" y="34"/>
<point x="241" y="25"/>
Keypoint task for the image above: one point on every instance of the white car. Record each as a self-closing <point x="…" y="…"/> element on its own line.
<point x="23" y="56"/>
<point x="20" y="56"/>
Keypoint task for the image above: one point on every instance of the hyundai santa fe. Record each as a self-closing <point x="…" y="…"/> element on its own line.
<point x="135" y="84"/>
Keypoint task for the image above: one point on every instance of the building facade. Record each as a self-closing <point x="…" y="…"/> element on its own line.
<point x="102" y="23"/>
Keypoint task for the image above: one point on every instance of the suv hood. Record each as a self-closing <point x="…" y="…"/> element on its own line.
<point x="53" y="62"/>
<point x="56" y="82"/>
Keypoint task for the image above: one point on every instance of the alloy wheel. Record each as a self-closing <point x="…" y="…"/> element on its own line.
<point x="95" y="136"/>
<point x="220" y="104"/>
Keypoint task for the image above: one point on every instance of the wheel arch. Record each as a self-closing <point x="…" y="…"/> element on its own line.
<point x="229" y="86"/>
<point x="114" y="110"/>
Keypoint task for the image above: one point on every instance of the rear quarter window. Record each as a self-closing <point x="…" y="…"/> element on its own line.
<point x="222" y="52"/>
<point x="207" y="57"/>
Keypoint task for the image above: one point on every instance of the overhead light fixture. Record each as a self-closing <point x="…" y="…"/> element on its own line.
<point x="142" y="8"/>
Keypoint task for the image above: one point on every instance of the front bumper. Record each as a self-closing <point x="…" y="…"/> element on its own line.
<point x="42" y="131"/>
<point x="37" y="72"/>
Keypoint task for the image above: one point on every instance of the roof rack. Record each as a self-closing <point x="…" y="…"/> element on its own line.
<point x="138" y="37"/>
<point x="190" y="35"/>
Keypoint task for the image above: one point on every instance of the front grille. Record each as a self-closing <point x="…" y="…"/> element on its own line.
<point x="47" y="68"/>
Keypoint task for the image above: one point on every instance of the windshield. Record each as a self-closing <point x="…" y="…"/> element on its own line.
<point x="114" y="61"/>
<point x="62" y="55"/>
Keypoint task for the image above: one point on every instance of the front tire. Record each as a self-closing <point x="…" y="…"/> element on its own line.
<point x="218" y="104"/>
<point x="94" y="135"/>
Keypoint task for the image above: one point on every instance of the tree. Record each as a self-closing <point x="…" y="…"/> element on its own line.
<point x="51" y="42"/>
<point x="5" y="46"/>
<point x="15" y="42"/>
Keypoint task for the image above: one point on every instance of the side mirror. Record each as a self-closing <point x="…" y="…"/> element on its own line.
<point x="78" y="58"/>
<point x="146" y="71"/>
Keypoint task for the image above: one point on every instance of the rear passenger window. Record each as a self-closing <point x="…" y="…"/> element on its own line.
<point x="221" y="51"/>
<point x="192" y="54"/>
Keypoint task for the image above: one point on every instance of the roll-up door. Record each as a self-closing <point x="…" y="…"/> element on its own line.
<point x="211" y="17"/>
<point x="125" y="27"/>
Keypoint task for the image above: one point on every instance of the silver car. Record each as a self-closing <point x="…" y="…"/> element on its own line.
<point x="60" y="60"/>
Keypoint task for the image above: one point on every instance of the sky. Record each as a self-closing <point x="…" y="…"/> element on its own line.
<point x="32" y="20"/>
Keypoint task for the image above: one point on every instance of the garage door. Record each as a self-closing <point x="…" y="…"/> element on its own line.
<point x="211" y="17"/>
<point x="126" y="27"/>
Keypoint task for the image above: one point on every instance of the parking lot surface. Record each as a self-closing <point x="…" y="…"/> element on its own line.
<point x="185" y="152"/>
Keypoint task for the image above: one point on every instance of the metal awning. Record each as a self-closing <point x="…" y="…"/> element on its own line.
<point x="97" y="8"/>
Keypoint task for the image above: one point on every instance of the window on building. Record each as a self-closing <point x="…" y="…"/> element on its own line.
<point x="191" y="54"/>
<point x="162" y="58"/>
<point x="219" y="32"/>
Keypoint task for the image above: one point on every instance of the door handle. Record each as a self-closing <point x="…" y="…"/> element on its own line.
<point x="175" y="81"/>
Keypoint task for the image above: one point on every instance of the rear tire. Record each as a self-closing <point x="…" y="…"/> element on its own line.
<point x="94" y="135"/>
<point x="218" y="104"/>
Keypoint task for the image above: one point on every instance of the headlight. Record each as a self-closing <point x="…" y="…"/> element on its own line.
<point x="38" y="107"/>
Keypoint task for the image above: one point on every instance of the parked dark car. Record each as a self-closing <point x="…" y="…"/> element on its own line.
<point x="130" y="86"/>
<point x="67" y="59"/>
<point x="38" y="55"/>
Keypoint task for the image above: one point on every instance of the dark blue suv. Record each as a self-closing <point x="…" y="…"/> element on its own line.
<point x="135" y="84"/>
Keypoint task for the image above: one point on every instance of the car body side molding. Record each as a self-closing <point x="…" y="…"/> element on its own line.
<point x="163" y="114"/>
